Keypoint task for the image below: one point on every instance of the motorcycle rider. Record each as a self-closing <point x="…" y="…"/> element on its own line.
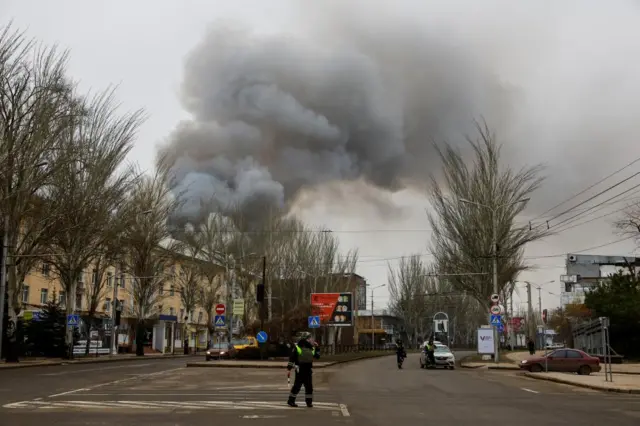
<point x="401" y="354"/>
<point x="302" y="356"/>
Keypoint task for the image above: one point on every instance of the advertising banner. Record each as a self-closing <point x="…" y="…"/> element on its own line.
<point x="334" y="309"/>
<point x="517" y="324"/>
<point x="485" y="341"/>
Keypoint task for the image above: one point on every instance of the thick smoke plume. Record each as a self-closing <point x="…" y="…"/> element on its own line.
<point x="359" y="90"/>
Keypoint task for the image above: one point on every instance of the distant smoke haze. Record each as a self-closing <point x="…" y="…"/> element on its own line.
<point x="358" y="91"/>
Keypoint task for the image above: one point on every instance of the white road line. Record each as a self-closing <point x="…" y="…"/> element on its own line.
<point x="92" y="370"/>
<point x="68" y="392"/>
<point x="115" y="382"/>
<point x="343" y="410"/>
<point x="529" y="390"/>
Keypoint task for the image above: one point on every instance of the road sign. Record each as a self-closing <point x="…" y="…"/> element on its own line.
<point x="73" y="320"/>
<point x="261" y="337"/>
<point x="36" y="316"/>
<point x="220" y="309"/>
<point x="238" y="307"/>
<point x="495" y="310"/>
<point x="495" y="298"/>
<point x="496" y="320"/>
<point x="500" y="328"/>
<point x="219" y="321"/>
<point x="314" y="322"/>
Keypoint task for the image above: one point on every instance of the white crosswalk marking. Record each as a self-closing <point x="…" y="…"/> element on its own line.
<point x="168" y="405"/>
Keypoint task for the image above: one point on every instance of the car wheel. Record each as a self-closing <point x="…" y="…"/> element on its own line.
<point x="535" y="368"/>
<point x="584" y="370"/>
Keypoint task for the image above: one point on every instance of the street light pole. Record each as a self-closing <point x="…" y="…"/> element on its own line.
<point x="494" y="243"/>
<point x="373" y="335"/>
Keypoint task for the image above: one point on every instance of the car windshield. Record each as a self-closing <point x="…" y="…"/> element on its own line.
<point x="241" y="342"/>
<point x="219" y="345"/>
<point x="442" y="349"/>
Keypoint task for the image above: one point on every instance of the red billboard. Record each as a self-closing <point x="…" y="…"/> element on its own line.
<point x="334" y="309"/>
<point x="517" y="323"/>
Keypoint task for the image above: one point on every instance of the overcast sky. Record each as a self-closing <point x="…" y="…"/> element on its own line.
<point x="572" y="67"/>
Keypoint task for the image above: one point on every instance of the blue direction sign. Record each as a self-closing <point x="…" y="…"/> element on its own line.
<point x="261" y="337"/>
<point x="219" y="321"/>
<point x="496" y="320"/>
<point x="73" y="320"/>
<point x="36" y="316"/>
<point x="501" y="328"/>
<point x="314" y="322"/>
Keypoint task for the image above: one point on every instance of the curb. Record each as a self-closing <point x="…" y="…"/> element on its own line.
<point x="279" y="366"/>
<point x="490" y="367"/>
<point x="582" y="385"/>
<point x="92" y="361"/>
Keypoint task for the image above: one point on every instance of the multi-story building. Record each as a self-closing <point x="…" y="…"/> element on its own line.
<point x="166" y="331"/>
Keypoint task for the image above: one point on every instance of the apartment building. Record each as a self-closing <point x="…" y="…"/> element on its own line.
<point x="166" y="330"/>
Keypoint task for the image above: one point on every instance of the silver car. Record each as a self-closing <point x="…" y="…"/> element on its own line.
<point x="443" y="355"/>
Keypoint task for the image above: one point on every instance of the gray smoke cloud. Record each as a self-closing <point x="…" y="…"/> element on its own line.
<point x="358" y="90"/>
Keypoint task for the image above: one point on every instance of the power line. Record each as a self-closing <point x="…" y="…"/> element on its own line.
<point x="588" y="188"/>
<point x="582" y="250"/>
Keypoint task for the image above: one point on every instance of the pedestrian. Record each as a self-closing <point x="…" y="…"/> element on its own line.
<point x="302" y="356"/>
<point x="531" y="346"/>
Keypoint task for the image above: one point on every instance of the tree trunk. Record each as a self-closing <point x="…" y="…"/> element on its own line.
<point x="140" y="331"/>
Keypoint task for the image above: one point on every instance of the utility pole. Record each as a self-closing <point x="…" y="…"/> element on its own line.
<point x="114" y="336"/>
<point x="268" y="287"/>
<point x="543" y="344"/>
<point x="373" y="335"/>
<point x="229" y="296"/>
<point x="530" y="311"/>
<point x="512" y="333"/>
<point x="494" y="243"/>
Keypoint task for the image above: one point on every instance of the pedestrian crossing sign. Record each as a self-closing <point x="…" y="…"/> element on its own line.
<point x="219" y="321"/>
<point x="73" y="320"/>
<point x="314" y="322"/>
<point x="496" y="320"/>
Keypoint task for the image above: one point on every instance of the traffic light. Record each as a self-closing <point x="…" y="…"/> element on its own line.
<point x="260" y="293"/>
<point x="544" y="316"/>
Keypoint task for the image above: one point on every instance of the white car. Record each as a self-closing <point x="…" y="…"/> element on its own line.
<point x="443" y="355"/>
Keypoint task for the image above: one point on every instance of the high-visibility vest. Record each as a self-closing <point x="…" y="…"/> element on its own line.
<point x="305" y="355"/>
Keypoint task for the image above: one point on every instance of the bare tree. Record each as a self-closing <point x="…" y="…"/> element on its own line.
<point x="462" y="232"/>
<point x="149" y="246"/>
<point x="34" y="112"/>
<point x="188" y="278"/>
<point x="629" y="224"/>
<point x="91" y="189"/>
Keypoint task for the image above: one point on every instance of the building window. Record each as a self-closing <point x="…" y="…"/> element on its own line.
<point x="46" y="268"/>
<point x="181" y="315"/>
<point x="160" y="309"/>
<point x="161" y="289"/>
<point x="109" y="279"/>
<point x="94" y="276"/>
<point x="199" y="317"/>
<point x="62" y="298"/>
<point x="172" y="311"/>
<point x="25" y="293"/>
<point x="122" y="280"/>
<point x="191" y="316"/>
<point x="79" y="302"/>
<point x="172" y="290"/>
<point x="44" y="296"/>
<point x="107" y="305"/>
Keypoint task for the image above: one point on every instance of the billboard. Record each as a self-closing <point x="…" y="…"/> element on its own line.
<point x="334" y="309"/>
<point x="485" y="341"/>
<point x="517" y="324"/>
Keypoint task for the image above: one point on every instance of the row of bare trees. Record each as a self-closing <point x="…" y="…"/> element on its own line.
<point x="472" y="198"/>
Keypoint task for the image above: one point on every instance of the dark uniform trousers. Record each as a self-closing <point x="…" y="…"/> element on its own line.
<point x="303" y="378"/>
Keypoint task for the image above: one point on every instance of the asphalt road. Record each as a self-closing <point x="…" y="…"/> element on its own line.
<point x="372" y="392"/>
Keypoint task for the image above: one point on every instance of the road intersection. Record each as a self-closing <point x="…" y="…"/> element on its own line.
<point x="372" y="392"/>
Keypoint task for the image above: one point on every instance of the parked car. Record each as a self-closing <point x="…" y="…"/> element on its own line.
<point x="443" y="355"/>
<point x="554" y="346"/>
<point x="563" y="360"/>
<point x="220" y="350"/>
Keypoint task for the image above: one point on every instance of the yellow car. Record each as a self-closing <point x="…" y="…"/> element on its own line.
<point x="245" y="342"/>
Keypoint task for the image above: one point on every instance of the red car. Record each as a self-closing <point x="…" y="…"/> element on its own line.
<point x="563" y="360"/>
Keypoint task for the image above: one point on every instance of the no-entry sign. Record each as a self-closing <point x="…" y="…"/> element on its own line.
<point x="220" y="309"/>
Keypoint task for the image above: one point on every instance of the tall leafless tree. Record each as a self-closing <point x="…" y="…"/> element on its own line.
<point x="462" y="232"/>
<point x="35" y="110"/>
<point x="629" y="223"/>
<point x="92" y="189"/>
<point x="149" y="248"/>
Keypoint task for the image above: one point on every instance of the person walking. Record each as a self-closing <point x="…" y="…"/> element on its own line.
<point x="302" y="356"/>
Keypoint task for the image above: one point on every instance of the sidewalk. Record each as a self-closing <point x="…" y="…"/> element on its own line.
<point x="622" y="383"/>
<point x="625" y="368"/>
<point x="39" y="362"/>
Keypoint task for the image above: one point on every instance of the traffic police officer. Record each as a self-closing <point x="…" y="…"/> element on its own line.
<point x="302" y="356"/>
